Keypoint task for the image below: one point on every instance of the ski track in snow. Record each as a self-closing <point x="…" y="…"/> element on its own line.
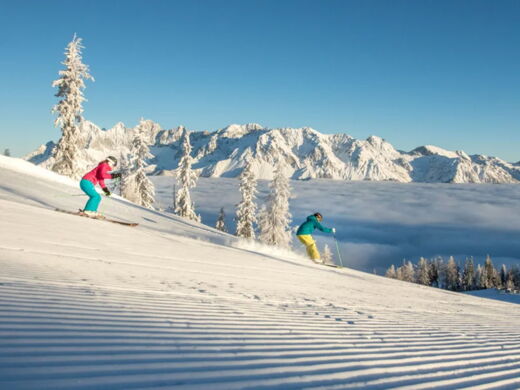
<point x="90" y="305"/>
<point x="56" y="336"/>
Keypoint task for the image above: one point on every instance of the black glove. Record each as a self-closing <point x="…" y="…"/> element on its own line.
<point x="116" y="175"/>
<point x="106" y="191"/>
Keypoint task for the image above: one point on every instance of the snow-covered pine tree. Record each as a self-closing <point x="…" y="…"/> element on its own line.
<point x="503" y="275"/>
<point x="423" y="272"/>
<point x="441" y="269"/>
<point x="221" y="221"/>
<point x="468" y="275"/>
<point x="407" y="271"/>
<point x="7" y="153"/>
<point x="515" y="275"/>
<point x="145" y="188"/>
<point x="510" y="281"/>
<point x="399" y="273"/>
<point x="275" y="218"/>
<point x="326" y="256"/>
<point x="480" y="277"/>
<point x="452" y="275"/>
<point x="391" y="273"/>
<point x="246" y="209"/>
<point x="490" y="273"/>
<point x="186" y="179"/>
<point x="510" y="284"/>
<point x="69" y="109"/>
<point x="136" y="186"/>
<point x="434" y="273"/>
<point x="496" y="279"/>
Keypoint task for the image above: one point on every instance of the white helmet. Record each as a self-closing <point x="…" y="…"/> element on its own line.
<point x="113" y="160"/>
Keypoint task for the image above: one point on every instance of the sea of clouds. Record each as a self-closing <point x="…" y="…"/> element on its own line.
<point x="382" y="223"/>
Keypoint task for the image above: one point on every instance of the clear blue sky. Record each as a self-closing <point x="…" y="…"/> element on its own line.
<point x="413" y="72"/>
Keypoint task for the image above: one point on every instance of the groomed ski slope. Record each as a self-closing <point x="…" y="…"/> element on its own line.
<point x="86" y="304"/>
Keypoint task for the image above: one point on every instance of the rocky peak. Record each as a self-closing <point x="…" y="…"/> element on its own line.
<point x="307" y="153"/>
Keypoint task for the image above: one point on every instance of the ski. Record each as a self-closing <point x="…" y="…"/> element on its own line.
<point x="82" y="214"/>
<point x="328" y="264"/>
<point x="332" y="265"/>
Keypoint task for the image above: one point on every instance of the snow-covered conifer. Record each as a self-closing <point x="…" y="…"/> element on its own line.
<point x="399" y="273"/>
<point x="452" y="275"/>
<point x="490" y="273"/>
<point x="326" y="256"/>
<point x="407" y="271"/>
<point x="434" y="273"/>
<point x="503" y="275"/>
<point x="186" y="179"/>
<point x="246" y="209"/>
<point x="442" y="273"/>
<point x="515" y="276"/>
<point x="423" y="272"/>
<point x="274" y="220"/>
<point x="136" y="186"/>
<point x="7" y="153"/>
<point x="510" y="280"/>
<point x="480" y="278"/>
<point x="468" y="275"/>
<point x="510" y="286"/>
<point x="145" y="189"/>
<point x="221" y="222"/>
<point x="391" y="273"/>
<point x="69" y="109"/>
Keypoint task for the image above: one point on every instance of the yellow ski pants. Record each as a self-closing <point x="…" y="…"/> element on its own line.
<point x="310" y="245"/>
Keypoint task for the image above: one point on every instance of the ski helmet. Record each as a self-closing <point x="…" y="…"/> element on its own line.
<point x="318" y="215"/>
<point x="113" y="160"/>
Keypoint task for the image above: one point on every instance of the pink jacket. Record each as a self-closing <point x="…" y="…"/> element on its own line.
<point x="99" y="174"/>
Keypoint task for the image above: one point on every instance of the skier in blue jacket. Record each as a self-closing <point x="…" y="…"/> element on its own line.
<point x="304" y="234"/>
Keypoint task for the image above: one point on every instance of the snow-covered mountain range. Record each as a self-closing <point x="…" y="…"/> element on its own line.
<point x="307" y="153"/>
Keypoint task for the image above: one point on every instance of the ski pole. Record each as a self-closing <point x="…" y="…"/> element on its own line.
<point x="337" y="248"/>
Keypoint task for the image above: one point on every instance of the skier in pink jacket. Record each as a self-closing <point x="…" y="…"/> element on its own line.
<point x="97" y="176"/>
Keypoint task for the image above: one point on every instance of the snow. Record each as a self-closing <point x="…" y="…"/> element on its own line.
<point x="19" y="166"/>
<point x="431" y="150"/>
<point x="86" y="304"/>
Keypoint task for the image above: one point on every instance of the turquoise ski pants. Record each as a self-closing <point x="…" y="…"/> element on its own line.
<point x="93" y="197"/>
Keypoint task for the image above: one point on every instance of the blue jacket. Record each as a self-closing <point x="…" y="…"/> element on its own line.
<point x="309" y="225"/>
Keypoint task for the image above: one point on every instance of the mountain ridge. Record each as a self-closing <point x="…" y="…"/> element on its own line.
<point x="307" y="154"/>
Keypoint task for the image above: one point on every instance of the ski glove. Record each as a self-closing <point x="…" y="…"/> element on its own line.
<point x="116" y="175"/>
<point x="333" y="230"/>
<point x="106" y="191"/>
